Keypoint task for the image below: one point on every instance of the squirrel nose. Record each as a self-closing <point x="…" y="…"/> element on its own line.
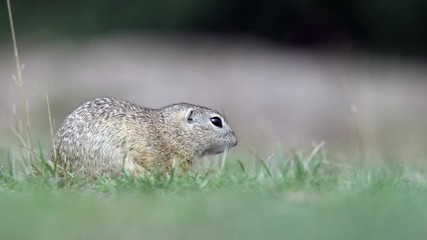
<point x="234" y="143"/>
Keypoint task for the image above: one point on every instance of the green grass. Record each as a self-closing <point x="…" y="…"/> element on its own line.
<point x="304" y="198"/>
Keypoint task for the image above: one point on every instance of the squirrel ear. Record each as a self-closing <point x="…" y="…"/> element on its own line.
<point x="189" y="115"/>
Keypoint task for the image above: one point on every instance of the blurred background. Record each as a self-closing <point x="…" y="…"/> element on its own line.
<point x="285" y="73"/>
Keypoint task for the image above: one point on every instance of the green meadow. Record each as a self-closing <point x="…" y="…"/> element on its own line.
<point x="306" y="197"/>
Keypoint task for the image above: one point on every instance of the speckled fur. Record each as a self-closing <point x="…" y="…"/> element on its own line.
<point x="107" y="135"/>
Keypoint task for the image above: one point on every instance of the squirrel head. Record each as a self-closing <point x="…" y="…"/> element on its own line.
<point x="199" y="128"/>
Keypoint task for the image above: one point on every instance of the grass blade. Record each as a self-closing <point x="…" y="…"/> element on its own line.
<point x="242" y="166"/>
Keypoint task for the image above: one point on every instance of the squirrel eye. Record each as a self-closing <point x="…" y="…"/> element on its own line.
<point x="216" y="121"/>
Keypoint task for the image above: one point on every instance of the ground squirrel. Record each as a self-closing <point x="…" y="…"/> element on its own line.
<point x="108" y="135"/>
